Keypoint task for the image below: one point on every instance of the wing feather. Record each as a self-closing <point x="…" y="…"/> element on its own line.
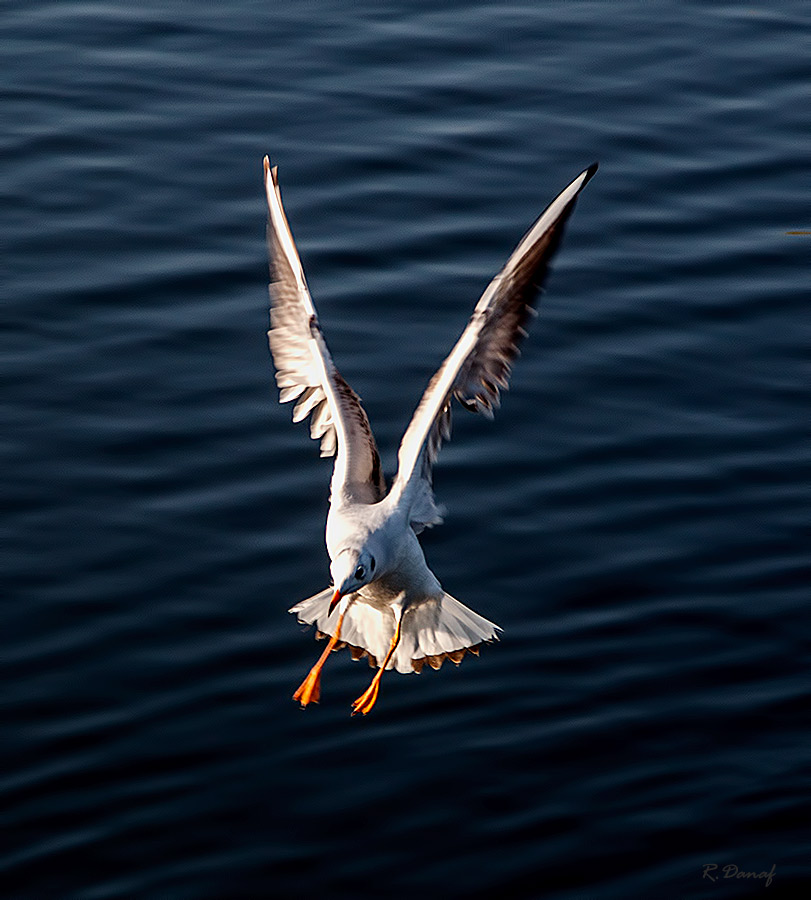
<point x="305" y="372"/>
<point x="478" y="368"/>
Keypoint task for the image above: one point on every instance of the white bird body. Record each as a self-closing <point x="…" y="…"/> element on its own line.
<point x="385" y="602"/>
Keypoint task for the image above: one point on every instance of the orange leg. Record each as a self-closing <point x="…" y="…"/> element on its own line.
<point x="310" y="689"/>
<point x="368" y="698"/>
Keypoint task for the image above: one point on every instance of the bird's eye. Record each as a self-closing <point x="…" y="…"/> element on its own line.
<point x="359" y="573"/>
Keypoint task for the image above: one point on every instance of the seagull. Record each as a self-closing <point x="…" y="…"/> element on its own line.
<point x="384" y="602"/>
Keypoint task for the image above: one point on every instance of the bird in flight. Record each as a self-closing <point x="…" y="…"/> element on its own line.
<point x="384" y="602"/>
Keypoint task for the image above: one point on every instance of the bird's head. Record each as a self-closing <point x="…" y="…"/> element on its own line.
<point x="351" y="570"/>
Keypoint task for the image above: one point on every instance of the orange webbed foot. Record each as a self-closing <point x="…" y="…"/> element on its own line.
<point x="310" y="689"/>
<point x="367" y="699"/>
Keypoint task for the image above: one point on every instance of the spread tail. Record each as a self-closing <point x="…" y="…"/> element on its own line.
<point x="433" y="630"/>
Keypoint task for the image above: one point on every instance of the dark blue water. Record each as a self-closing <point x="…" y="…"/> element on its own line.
<point x="636" y="519"/>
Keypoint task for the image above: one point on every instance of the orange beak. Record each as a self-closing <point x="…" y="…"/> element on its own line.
<point x="334" y="602"/>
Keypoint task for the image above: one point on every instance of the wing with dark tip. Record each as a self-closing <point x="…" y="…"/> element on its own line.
<point x="478" y="367"/>
<point x="305" y="372"/>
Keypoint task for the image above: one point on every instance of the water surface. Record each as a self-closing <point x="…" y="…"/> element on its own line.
<point x="636" y="519"/>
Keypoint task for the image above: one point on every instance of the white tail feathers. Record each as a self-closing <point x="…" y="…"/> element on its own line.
<point x="432" y="630"/>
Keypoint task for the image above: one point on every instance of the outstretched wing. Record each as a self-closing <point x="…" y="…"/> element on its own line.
<point x="304" y="368"/>
<point x="479" y="365"/>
